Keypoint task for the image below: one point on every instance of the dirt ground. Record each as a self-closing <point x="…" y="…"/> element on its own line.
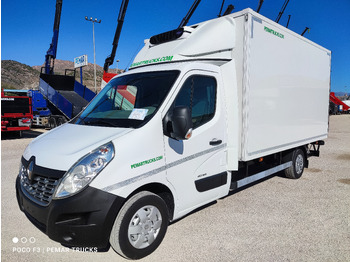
<point x="278" y="219"/>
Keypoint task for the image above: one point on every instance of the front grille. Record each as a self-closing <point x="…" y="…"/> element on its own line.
<point x="40" y="189"/>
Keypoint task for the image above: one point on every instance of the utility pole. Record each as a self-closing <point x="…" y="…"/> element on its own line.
<point x="117" y="65"/>
<point x="93" y="40"/>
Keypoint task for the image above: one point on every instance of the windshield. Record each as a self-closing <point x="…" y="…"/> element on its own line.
<point x="128" y="101"/>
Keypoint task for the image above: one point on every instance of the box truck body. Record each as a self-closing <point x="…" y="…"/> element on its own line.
<point x="203" y="110"/>
<point x="276" y="82"/>
<point x="284" y="81"/>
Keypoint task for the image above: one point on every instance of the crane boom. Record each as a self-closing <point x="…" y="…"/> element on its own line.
<point x="51" y="53"/>
<point x="189" y="13"/>
<point x="259" y="6"/>
<point x="282" y="11"/>
<point x="222" y="5"/>
<point x="110" y="59"/>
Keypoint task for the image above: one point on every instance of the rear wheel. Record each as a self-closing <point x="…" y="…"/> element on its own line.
<point x="298" y="164"/>
<point x="140" y="226"/>
<point x="52" y="123"/>
<point x="61" y="121"/>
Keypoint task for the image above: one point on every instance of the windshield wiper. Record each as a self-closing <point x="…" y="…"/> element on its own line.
<point x="100" y="123"/>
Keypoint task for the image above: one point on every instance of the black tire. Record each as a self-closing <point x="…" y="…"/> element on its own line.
<point x="298" y="164"/>
<point x="18" y="134"/>
<point x="52" y="123"/>
<point x="146" y="235"/>
<point x="61" y="121"/>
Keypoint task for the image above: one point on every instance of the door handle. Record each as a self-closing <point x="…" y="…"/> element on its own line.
<point x="215" y="142"/>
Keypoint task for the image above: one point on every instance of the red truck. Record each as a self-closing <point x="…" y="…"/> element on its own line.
<point x="16" y="113"/>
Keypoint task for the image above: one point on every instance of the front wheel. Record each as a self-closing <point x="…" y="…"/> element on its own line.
<point x="298" y="164"/>
<point x="140" y="226"/>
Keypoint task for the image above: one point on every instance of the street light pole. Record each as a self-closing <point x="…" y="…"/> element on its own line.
<point x="93" y="40"/>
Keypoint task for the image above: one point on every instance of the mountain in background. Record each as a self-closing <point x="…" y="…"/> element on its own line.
<point x="15" y="75"/>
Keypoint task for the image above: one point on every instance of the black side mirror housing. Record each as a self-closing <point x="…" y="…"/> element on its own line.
<point x="181" y="122"/>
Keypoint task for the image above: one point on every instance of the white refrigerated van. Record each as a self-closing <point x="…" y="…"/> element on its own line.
<point x="203" y="110"/>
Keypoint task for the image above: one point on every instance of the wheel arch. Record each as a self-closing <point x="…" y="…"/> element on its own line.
<point x="161" y="190"/>
<point x="287" y="155"/>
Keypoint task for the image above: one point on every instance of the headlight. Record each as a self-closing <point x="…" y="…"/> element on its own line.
<point x="84" y="171"/>
<point x="22" y="172"/>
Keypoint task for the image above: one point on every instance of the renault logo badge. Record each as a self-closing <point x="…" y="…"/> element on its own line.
<point x="30" y="171"/>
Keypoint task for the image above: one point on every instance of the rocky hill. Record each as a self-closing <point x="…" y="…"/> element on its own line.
<point x="15" y="75"/>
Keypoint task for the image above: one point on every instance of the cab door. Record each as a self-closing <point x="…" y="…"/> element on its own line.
<point x="196" y="168"/>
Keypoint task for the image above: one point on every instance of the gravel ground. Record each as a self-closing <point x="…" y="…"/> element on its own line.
<point x="276" y="220"/>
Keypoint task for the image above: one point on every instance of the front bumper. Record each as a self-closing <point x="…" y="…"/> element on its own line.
<point x="82" y="220"/>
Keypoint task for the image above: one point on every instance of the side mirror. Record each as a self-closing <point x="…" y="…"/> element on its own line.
<point x="181" y="121"/>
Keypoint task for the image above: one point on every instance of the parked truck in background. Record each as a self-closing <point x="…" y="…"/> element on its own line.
<point x="52" y="107"/>
<point x="211" y="108"/>
<point x="41" y="112"/>
<point x="65" y="97"/>
<point x="16" y="113"/>
<point x="39" y="105"/>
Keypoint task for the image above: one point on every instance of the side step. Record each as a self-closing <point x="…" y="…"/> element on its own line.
<point x="253" y="178"/>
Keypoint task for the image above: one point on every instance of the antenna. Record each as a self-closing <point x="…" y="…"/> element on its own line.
<point x="259" y="6"/>
<point x="228" y="10"/>
<point x="288" y="21"/>
<point x="282" y="11"/>
<point x="222" y="5"/>
<point x="306" y="29"/>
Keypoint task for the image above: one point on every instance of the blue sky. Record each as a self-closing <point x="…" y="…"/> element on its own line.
<point x="26" y="27"/>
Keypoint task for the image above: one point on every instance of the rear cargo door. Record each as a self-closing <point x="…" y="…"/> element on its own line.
<point x="196" y="167"/>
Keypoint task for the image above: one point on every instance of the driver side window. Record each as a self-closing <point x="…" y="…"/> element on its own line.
<point x="199" y="94"/>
